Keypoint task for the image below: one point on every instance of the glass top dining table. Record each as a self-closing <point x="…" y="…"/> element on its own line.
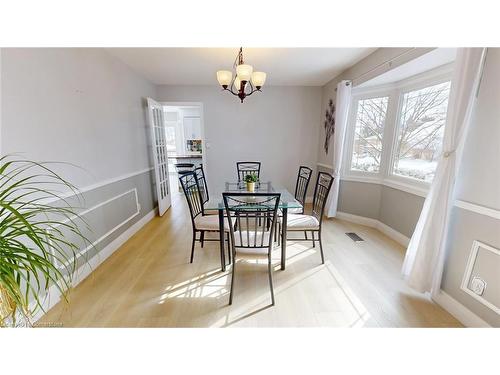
<point x="287" y="201"/>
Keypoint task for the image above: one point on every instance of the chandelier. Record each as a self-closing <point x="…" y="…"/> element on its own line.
<point x="245" y="81"/>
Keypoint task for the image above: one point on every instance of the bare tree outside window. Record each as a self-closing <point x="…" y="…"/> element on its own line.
<point x="368" y="134"/>
<point x="420" y="131"/>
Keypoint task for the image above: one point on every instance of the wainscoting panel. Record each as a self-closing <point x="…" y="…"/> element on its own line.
<point x="483" y="263"/>
<point x="114" y="211"/>
<point x="467" y="225"/>
<point x="108" y="210"/>
<point x="106" y="218"/>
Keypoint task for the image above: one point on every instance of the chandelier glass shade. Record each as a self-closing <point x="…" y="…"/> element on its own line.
<point x="245" y="81"/>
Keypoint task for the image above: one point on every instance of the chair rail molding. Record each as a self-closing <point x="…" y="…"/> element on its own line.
<point x="97" y="185"/>
<point x="482" y="210"/>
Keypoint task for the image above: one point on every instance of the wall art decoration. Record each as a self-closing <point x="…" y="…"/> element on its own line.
<point x="329" y="123"/>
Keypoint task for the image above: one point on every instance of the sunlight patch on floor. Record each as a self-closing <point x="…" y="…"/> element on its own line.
<point x="209" y="285"/>
<point x="344" y="307"/>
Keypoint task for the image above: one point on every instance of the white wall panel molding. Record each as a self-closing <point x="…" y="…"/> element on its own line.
<point x="114" y="179"/>
<point x="482" y="210"/>
<point x="476" y="245"/>
<point x="98" y="185"/>
<point x="110" y="231"/>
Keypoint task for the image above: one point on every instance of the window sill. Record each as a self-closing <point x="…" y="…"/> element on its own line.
<point x="414" y="189"/>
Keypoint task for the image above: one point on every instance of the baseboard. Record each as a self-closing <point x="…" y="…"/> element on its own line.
<point x="53" y="295"/>
<point x="374" y="223"/>
<point x="459" y="311"/>
<point x="394" y="234"/>
<point x="369" y="222"/>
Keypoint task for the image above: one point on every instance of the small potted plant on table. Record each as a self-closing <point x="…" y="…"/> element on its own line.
<point x="250" y="180"/>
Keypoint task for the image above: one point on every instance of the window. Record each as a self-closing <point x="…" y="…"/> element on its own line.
<point x="173" y="133"/>
<point x="368" y="134"/>
<point x="170" y="136"/>
<point x="420" y="131"/>
<point x="395" y="132"/>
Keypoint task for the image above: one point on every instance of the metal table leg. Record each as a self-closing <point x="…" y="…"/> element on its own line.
<point x="221" y="239"/>
<point x="283" y="237"/>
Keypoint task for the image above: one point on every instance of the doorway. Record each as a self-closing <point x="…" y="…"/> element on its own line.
<point x="184" y="138"/>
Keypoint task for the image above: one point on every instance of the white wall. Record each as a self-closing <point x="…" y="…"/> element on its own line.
<point x="81" y="106"/>
<point x="478" y="182"/>
<point x="277" y="127"/>
<point x="85" y="107"/>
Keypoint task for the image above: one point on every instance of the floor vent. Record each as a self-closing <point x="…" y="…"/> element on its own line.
<point x="353" y="236"/>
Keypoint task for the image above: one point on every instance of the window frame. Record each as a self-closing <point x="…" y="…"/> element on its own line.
<point x="378" y="92"/>
<point x="395" y="92"/>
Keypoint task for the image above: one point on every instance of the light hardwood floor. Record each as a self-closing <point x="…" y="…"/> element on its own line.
<point x="149" y="282"/>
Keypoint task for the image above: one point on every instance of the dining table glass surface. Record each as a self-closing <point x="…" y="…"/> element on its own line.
<point x="216" y="202"/>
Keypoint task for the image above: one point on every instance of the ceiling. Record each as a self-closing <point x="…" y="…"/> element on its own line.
<point x="197" y="66"/>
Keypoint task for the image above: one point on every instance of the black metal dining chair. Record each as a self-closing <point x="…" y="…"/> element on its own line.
<point x="303" y="178"/>
<point x="201" y="223"/>
<point x="244" y="212"/>
<point x="312" y="223"/>
<point x="202" y="185"/>
<point x="247" y="167"/>
<point x="182" y="169"/>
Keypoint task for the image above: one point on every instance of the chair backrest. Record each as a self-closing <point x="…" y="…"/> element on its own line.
<point x="321" y="191"/>
<point x="183" y="167"/>
<point x="202" y="183"/>
<point x="303" y="178"/>
<point x="247" y="167"/>
<point x="255" y="217"/>
<point x="192" y="194"/>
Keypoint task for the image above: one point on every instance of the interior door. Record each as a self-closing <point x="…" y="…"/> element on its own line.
<point x="159" y="145"/>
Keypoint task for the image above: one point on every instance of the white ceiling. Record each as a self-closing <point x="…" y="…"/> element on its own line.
<point x="197" y="66"/>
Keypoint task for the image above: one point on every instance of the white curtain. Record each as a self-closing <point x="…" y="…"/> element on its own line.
<point x="341" y="113"/>
<point x="423" y="264"/>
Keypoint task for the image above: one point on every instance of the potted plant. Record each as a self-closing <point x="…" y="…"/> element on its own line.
<point x="35" y="253"/>
<point x="250" y="180"/>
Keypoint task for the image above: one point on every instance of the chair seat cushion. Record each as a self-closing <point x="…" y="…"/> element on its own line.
<point x="210" y="222"/>
<point x="302" y="222"/>
<point x="249" y="238"/>
<point x="296" y="210"/>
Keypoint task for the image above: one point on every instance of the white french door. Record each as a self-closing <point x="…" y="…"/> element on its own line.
<point x="159" y="145"/>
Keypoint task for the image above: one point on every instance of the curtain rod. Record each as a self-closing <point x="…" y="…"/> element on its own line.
<point x="351" y="81"/>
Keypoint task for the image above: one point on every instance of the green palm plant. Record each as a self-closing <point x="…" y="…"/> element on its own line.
<point x="35" y="220"/>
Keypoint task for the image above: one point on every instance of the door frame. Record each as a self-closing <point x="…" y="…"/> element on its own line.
<point x="202" y="124"/>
